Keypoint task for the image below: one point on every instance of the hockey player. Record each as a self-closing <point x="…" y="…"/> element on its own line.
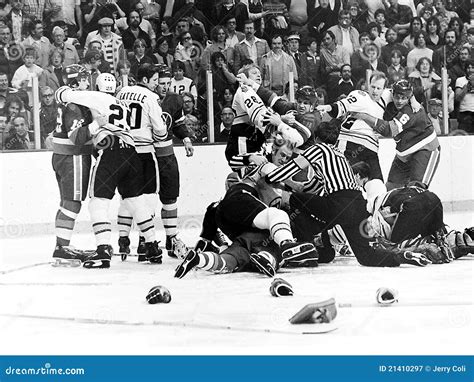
<point x="117" y="166"/>
<point x="172" y="107"/>
<point x="179" y="83"/>
<point x="246" y="212"/>
<point x="72" y="148"/>
<point x="417" y="147"/>
<point x="146" y="127"/>
<point x="340" y="204"/>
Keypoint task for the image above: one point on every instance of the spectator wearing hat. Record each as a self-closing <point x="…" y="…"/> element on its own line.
<point x="435" y="107"/>
<point x="112" y="46"/>
<point x="251" y="48"/>
<point x="39" y="42"/>
<point x="52" y="76"/>
<point x="465" y="97"/>
<point x="68" y="11"/>
<point x="69" y="51"/>
<point x="276" y="67"/>
<point x="134" y="32"/>
<point x="302" y="65"/>
<point x="346" y="35"/>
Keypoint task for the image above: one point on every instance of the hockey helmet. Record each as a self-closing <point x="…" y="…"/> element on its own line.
<point x="106" y="83"/>
<point x="403" y="87"/>
<point x="306" y="93"/>
<point x="73" y="73"/>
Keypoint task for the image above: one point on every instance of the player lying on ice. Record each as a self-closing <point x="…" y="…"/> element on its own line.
<point x="260" y="231"/>
<point x="411" y="218"/>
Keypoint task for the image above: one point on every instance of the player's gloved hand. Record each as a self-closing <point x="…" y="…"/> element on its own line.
<point x="257" y="159"/>
<point x="324" y="108"/>
<point x="280" y="287"/>
<point x="386" y="296"/>
<point x="102" y="119"/>
<point x="188" y="146"/>
<point x="272" y="118"/>
<point x="288" y="118"/>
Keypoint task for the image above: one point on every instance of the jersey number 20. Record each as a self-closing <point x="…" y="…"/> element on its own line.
<point x="133" y="116"/>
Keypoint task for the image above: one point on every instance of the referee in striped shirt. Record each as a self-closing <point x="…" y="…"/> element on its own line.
<point x="340" y="202"/>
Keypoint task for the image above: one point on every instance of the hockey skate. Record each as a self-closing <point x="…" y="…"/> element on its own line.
<point x="68" y="257"/>
<point x="265" y="262"/>
<point x="175" y="247"/>
<point x="189" y="262"/>
<point x="100" y="258"/>
<point x="299" y="254"/>
<point x="414" y="258"/>
<point x="203" y="245"/>
<point x="124" y="247"/>
<point x="141" y="250"/>
<point x="442" y="243"/>
<point x="220" y="239"/>
<point x="153" y="253"/>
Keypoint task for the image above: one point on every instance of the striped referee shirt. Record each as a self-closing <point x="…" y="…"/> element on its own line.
<point x="331" y="168"/>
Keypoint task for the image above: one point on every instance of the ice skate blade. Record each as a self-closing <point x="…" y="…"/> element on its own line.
<point x="96" y="264"/>
<point x="66" y="263"/>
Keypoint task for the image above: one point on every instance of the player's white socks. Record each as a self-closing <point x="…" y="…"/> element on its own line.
<point x="65" y="221"/>
<point x="169" y="216"/>
<point x="373" y="188"/>
<point x="124" y="220"/>
<point x="277" y="222"/>
<point x="141" y="214"/>
<point x="98" y="209"/>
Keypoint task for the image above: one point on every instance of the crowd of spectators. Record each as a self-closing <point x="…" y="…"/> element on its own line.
<point x="326" y="44"/>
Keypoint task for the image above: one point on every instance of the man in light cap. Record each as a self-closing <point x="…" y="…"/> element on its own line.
<point x="112" y="46"/>
<point x="302" y="65"/>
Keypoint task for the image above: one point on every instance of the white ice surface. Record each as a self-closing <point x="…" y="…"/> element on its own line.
<point x="46" y="310"/>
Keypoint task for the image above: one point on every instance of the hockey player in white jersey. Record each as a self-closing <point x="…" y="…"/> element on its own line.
<point x="146" y="127"/>
<point x="117" y="167"/>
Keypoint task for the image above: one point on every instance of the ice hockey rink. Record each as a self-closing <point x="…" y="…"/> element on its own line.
<point x="47" y="310"/>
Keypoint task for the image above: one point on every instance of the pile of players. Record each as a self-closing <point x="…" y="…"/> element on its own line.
<point x="303" y="185"/>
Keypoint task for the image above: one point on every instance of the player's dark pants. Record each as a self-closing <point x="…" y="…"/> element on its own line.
<point x="72" y="175"/>
<point x="419" y="215"/>
<point x="357" y="153"/>
<point x="348" y="209"/>
<point x="420" y="166"/>
<point x="169" y="178"/>
<point x="251" y="242"/>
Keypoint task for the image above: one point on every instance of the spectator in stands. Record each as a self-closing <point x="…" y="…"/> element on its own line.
<point x="426" y="83"/>
<point x="359" y="59"/>
<point x="69" y="51"/>
<point x="256" y="14"/>
<point x="52" y="75"/>
<point x="276" y="67"/>
<point x="233" y="36"/>
<point x="134" y="32"/>
<point x="446" y="54"/>
<point x="123" y="70"/>
<point x="250" y="48"/>
<point x="312" y="61"/>
<point x="372" y="7"/>
<point x="186" y="53"/>
<point x="199" y="24"/>
<point x="374" y="30"/>
<point x="18" y="21"/>
<point x="433" y="28"/>
<point x="396" y="71"/>
<point x="164" y="31"/>
<point x="23" y="77"/>
<point x="189" y="107"/>
<point x="332" y="56"/>
<point x="423" y="4"/>
<point x="418" y="52"/>
<point x="48" y="114"/>
<point x="145" y="23"/>
<point x="457" y="25"/>
<point x="344" y="86"/>
<point x="6" y="93"/>
<point x="465" y="97"/>
<point x="162" y="53"/>
<point x="222" y="77"/>
<point x="139" y="56"/>
<point x="227" y="119"/>
<point x="359" y="15"/>
<point x="413" y="30"/>
<point x="92" y="61"/>
<point x="434" y="111"/>
<point x="68" y="11"/>
<point x="391" y="36"/>
<point x="381" y="22"/>
<point x="293" y="47"/>
<point x="228" y="9"/>
<point x="278" y="19"/>
<point x="112" y="46"/>
<point x="227" y="98"/>
<point x="39" y="42"/>
<point x="372" y="52"/>
<point x="426" y="14"/>
<point x="152" y="12"/>
<point x="458" y="68"/>
<point x="10" y="53"/>
<point x="180" y="83"/>
<point x="346" y="35"/>
<point x="444" y="16"/>
<point x="123" y="24"/>
<point x="5" y="9"/>
<point x="104" y="66"/>
<point x="399" y="16"/>
<point x="18" y="138"/>
<point x="218" y="38"/>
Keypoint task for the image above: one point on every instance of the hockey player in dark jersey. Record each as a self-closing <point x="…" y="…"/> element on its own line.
<point x="172" y="111"/>
<point x="72" y="148"/>
<point x="417" y="147"/>
<point x="246" y="215"/>
<point x="117" y="167"/>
